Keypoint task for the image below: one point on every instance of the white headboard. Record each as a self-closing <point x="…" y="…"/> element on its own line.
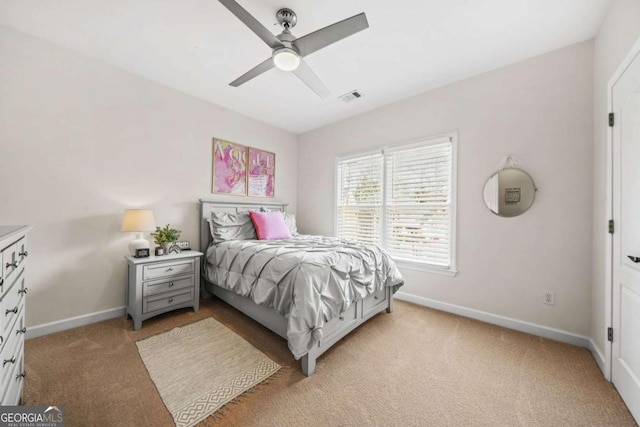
<point x="208" y="206"/>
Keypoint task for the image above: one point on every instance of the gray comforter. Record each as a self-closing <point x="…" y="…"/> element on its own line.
<point x="308" y="279"/>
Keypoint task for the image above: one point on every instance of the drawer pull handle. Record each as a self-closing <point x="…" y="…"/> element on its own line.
<point x="341" y="318"/>
<point x="24" y="254"/>
<point x="12" y="360"/>
<point x="1" y="281"/>
<point x="171" y="284"/>
<point x="13" y="310"/>
<point x="375" y="297"/>
<point x="21" y="375"/>
<point x="23" y="291"/>
<point x="1" y="340"/>
<point x="170" y="269"/>
<point x="21" y="331"/>
<point x="170" y="299"/>
<point x="12" y="264"/>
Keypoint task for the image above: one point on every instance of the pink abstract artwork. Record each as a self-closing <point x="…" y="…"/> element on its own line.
<point x="262" y="166"/>
<point x="229" y="168"/>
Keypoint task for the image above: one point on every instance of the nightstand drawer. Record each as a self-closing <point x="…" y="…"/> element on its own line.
<point x="159" y="302"/>
<point x="160" y="286"/>
<point x="166" y="269"/>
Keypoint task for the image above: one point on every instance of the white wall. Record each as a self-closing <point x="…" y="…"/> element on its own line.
<point x="540" y="110"/>
<point x="80" y="141"/>
<point x="619" y="31"/>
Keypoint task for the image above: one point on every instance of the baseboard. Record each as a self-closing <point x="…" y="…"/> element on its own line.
<point x="598" y="356"/>
<point x="72" y="322"/>
<point x="495" y="319"/>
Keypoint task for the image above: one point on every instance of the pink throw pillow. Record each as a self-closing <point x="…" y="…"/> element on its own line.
<point x="270" y="225"/>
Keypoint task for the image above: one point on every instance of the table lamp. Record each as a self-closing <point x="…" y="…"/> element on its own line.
<point x="138" y="221"/>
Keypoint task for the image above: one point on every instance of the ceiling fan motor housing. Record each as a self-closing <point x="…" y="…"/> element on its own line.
<point x="286" y="18"/>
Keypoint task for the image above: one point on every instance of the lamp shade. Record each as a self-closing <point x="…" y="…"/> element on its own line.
<point x="138" y="220"/>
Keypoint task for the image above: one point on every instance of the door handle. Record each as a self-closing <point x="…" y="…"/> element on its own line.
<point x="634" y="258"/>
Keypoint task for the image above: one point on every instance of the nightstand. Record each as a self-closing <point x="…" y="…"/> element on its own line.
<point x="158" y="284"/>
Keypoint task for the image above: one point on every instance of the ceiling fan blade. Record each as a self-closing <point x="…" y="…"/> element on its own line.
<point x="266" y="65"/>
<point x="312" y="42"/>
<point x="306" y="74"/>
<point x="251" y="22"/>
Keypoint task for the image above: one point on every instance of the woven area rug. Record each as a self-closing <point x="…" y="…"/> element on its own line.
<point x="200" y="367"/>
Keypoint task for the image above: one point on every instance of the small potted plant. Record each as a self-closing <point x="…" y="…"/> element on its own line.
<point x="165" y="237"/>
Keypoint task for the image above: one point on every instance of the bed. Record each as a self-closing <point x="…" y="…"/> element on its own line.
<point x="310" y="331"/>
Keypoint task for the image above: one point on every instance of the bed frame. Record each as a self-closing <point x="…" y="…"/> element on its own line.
<point x="333" y="330"/>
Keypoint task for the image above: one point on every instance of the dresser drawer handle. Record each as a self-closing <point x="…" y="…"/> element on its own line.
<point x="1" y="281"/>
<point x="12" y="360"/>
<point x="23" y="291"/>
<point x="375" y="297"/>
<point x="21" y="375"/>
<point x="12" y="264"/>
<point x="171" y="284"/>
<point x="24" y="254"/>
<point x="170" y="299"/>
<point x="13" y="310"/>
<point x="21" y="331"/>
<point x="170" y="269"/>
<point x="341" y="318"/>
<point x="1" y="340"/>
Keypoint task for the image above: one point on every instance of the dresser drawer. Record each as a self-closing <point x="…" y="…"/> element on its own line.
<point x="15" y="383"/>
<point x="158" y="302"/>
<point x="376" y="300"/>
<point x="11" y="354"/>
<point x="10" y="262"/>
<point x="342" y="321"/>
<point x="167" y="269"/>
<point x="160" y="286"/>
<point x="11" y="305"/>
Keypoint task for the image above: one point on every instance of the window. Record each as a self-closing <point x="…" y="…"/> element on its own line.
<point x="402" y="198"/>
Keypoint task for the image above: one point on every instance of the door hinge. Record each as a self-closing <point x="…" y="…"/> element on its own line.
<point x="610" y="334"/>
<point x="611" y="227"/>
<point x="611" y="119"/>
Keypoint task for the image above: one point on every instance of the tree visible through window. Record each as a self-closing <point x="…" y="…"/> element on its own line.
<point x="402" y="198"/>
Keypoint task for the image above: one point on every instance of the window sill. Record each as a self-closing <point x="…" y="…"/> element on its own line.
<point x="417" y="266"/>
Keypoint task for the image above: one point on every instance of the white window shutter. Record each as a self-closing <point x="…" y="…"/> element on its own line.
<point x="359" y="198"/>
<point x="418" y="203"/>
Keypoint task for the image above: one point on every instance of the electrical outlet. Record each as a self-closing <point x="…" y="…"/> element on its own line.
<point x="549" y="298"/>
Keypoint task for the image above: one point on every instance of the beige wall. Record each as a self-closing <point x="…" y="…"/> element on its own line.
<point x="80" y="141"/>
<point x="619" y="31"/>
<point x="540" y="110"/>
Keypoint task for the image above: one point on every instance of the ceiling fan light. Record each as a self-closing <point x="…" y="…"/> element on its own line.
<point x="286" y="59"/>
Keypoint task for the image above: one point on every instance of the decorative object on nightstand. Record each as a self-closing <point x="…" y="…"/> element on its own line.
<point x="160" y="284"/>
<point x="138" y="221"/>
<point x="141" y="253"/>
<point x="184" y="245"/>
<point x="166" y="237"/>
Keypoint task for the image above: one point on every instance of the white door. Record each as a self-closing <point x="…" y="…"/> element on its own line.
<point x="625" y="373"/>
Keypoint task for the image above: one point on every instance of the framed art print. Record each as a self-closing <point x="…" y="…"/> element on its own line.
<point x="229" y="168"/>
<point x="262" y="167"/>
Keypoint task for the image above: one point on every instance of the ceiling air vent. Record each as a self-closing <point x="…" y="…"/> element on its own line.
<point x="350" y="96"/>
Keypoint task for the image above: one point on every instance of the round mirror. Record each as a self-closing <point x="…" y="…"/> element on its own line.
<point x="509" y="192"/>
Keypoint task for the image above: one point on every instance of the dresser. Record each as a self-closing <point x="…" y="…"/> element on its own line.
<point x="13" y="271"/>
<point x="158" y="284"/>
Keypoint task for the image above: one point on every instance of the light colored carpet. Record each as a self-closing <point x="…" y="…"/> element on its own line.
<point x="413" y="367"/>
<point x="200" y="367"/>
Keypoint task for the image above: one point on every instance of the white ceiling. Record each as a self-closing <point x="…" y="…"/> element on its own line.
<point x="198" y="46"/>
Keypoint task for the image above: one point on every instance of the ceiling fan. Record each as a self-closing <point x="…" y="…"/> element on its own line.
<point x="289" y="51"/>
